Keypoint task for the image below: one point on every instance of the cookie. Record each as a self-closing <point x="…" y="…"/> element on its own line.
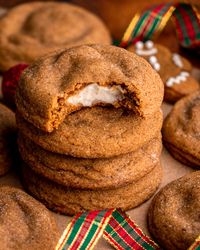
<point x="70" y="201"/>
<point x="91" y="173"/>
<point x="31" y="30"/>
<point x="84" y="76"/>
<point x="97" y="132"/>
<point x="173" y="217"/>
<point x="181" y="130"/>
<point x="7" y="138"/>
<point x="26" y="224"/>
<point x="174" y="70"/>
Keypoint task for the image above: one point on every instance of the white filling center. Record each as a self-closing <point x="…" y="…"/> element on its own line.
<point x="93" y="93"/>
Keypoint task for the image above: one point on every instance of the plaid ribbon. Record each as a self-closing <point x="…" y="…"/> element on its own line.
<point x="151" y="22"/>
<point x="195" y="245"/>
<point x="123" y="233"/>
<point x="86" y="228"/>
<point x="83" y="232"/>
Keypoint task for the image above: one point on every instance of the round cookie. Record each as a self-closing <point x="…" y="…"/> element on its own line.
<point x="173" y="217"/>
<point x="181" y="130"/>
<point x="31" y="30"/>
<point x="91" y="173"/>
<point x="97" y="132"/>
<point x="84" y="76"/>
<point x="71" y="201"/>
<point x="7" y="138"/>
<point x="174" y="70"/>
<point x="26" y="224"/>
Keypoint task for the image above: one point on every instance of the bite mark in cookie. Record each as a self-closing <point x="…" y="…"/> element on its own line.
<point x="47" y="89"/>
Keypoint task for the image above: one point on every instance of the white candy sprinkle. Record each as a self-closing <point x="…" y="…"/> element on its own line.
<point x="139" y="45"/>
<point x="149" y="44"/>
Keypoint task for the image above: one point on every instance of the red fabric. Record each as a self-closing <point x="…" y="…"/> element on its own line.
<point x="10" y="82"/>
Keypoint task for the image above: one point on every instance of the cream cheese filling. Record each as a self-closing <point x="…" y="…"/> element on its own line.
<point x="94" y="93"/>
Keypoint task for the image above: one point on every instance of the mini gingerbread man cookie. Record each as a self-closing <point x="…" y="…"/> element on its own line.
<point x="174" y="70"/>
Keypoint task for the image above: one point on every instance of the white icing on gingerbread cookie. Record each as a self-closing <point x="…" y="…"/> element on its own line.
<point x="145" y="49"/>
<point x="154" y="63"/>
<point x="148" y="49"/>
<point x="177" y="60"/>
<point x="178" y="79"/>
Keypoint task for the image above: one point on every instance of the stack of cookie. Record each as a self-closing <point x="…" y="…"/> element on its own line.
<point x="89" y="124"/>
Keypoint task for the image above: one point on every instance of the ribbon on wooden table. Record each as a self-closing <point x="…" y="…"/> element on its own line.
<point x="149" y="24"/>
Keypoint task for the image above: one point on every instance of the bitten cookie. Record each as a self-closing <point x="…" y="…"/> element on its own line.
<point x="97" y="132"/>
<point x="71" y="201"/>
<point x="181" y="130"/>
<point x="26" y="224"/>
<point x="66" y="81"/>
<point x="31" y="30"/>
<point x="174" y="70"/>
<point x="91" y="173"/>
<point x="7" y="138"/>
<point x="173" y="217"/>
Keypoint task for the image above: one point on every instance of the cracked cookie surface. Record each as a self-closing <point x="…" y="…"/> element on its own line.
<point x="173" y="217"/>
<point x="25" y="222"/>
<point x="181" y="130"/>
<point x="54" y="86"/>
<point x="31" y="30"/>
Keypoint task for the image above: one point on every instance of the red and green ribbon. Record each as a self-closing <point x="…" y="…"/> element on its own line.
<point x="85" y="229"/>
<point x="121" y="232"/>
<point x="195" y="245"/>
<point x="151" y="22"/>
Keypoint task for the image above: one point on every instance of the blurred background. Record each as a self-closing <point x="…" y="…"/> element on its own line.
<point x="117" y="14"/>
